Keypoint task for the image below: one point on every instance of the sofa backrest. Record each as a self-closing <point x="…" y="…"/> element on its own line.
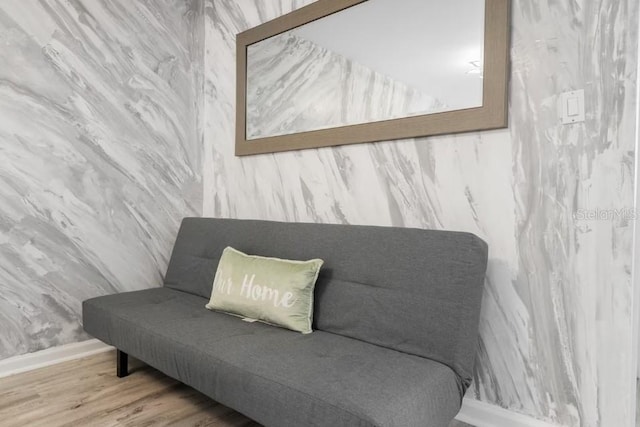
<point x="412" y="290"/>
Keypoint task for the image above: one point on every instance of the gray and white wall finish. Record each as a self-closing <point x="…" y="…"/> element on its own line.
<point x="102" y="121"/>
<point x="100" y="154"/>
<point x="556" y="323"/>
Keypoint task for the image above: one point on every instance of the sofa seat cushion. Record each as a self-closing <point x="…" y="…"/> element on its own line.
<point x="275" y="376"/>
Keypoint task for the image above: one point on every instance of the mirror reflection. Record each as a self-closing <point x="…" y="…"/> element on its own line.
<point x="378" y="60"/>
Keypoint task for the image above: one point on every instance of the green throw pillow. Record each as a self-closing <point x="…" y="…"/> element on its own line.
<point x="272" y="290"/>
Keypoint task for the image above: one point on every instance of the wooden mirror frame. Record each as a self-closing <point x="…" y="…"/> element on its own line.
<point x="491" y="115"/>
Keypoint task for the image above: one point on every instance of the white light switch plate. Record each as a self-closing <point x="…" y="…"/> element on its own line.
<point x="571" y="107"/>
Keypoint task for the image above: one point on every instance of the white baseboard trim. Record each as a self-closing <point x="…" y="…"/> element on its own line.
<point x="481" y="414"/>
<point x="51" y="356"/>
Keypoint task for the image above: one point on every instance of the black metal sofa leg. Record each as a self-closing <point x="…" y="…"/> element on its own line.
<point x="122" y="364"/>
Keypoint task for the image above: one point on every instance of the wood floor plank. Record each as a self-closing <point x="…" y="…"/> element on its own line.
<point x="86" y="392"/>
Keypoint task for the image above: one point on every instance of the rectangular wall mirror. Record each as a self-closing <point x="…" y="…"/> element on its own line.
<point x="348" y="71"/>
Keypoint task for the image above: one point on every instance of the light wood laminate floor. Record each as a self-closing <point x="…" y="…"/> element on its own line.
<point x="86" y="392"/>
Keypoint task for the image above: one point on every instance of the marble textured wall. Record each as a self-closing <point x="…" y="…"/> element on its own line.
<point x="556" y="321"/>
<point x="100" y="154"/>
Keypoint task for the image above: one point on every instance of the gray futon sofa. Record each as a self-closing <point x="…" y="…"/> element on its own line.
<point x="395" y="324"/>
